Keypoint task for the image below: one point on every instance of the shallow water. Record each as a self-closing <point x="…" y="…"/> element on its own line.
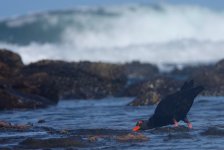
<point x="111" y="116"/>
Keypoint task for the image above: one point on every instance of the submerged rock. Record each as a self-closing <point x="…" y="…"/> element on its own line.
<point x="8" y="125"/>
<point x="132" y="138"/>
<point x="87" y="138"/>
<point x="213" y="131"/>
<point x="94" y="135"/>
<point x="129" y="137"/>
<point x="31" y="143"/>
<point x="41" y="121"/>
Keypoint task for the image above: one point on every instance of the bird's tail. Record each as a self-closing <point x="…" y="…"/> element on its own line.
<point x="187" y="85"/>
<point x="191" y="88"/>
<point x="196" y="90"/>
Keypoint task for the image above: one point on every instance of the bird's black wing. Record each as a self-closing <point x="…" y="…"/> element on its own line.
<point x="168" y="106"/>
<point x="187" y="101"/>
<point x="187" y="85"/>
<point x="178" y="104"/>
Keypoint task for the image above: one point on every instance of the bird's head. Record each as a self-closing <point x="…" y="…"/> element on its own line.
<point x="140" y="125"/>
<point x="144" y="124"/>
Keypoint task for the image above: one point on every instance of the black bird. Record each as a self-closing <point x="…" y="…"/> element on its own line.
<point x="172" y="108"/>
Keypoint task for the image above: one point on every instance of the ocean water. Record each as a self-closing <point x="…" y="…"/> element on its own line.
<point x="111" y="115"/>
<point x="158" y="34"/>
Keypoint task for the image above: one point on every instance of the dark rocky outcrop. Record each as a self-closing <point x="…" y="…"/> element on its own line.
<point x="152" y="91"/>
<point x="16" y="91"/>
<point x="137" y="70"/>
<point x="83" y="80"/>
<point x="11" y="99"/>
<point x="42" y="83"/>
<point x="13" y="60"/>
<point x="187" y="71"/>
<point x="10" y="63"/>
<point x="212" y="78"/>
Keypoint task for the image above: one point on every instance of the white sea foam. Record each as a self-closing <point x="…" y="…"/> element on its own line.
<point x="174" y="53"/>
<point x="164" y="34"/>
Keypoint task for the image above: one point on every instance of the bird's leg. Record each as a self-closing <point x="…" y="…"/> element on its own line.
<point x="175" y="123"/>
<point x="188" y="123"/>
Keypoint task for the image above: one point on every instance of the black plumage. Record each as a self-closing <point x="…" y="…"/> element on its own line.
<point x="172" y="108"/>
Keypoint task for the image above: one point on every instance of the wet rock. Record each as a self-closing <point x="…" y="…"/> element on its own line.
<point x="152" y="91"/>
<point x="18" y="91"/>
<point x="149" y="98"/>
<point x="99" y="135"/>
<point x="99" y="132"/>
<point x="5" y="148"/>
<point x="11" y="99"/>
<point x="12" y="59"/>
<point x="71" y="139"/>
<point x="132" y="138"/>
<point x="5" y="71"/>
<point x="187" y="71"/>
<point x="133" y="89"/>
<point x="32" y="143"/>
<point x="95" y="135"/>
<point x="213" y="131"/>
<point x="7" y="125"/>
<point x="118" y="136"/>
<point x="40" y="84"/>
<point x="43" y="83"/>
<point x="41" y="121"/>
<point x="178" y="136"/>
<point x="93" y="138"/>
<point x="212" y="78"/>
<point x="10" y="63"/>
<point x="138" y="70"/>
<point x="171" y="130"/>
<point x="84" y="80"/>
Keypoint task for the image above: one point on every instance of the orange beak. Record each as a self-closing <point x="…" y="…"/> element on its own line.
<point x="136" y="128"/>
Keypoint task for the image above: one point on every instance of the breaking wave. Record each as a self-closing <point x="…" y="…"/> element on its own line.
<point x="157" y="34"/>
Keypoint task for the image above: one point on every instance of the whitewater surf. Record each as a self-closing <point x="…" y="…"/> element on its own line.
<point x="158" y="34"/>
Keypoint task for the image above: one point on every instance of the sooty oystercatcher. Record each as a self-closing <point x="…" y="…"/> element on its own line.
<point x="172" y="108"/>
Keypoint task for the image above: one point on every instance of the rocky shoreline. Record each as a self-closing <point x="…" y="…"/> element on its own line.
<point x="44" y="83"/>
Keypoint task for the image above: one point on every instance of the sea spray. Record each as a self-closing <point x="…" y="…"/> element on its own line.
<point x="159" y="34"/>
